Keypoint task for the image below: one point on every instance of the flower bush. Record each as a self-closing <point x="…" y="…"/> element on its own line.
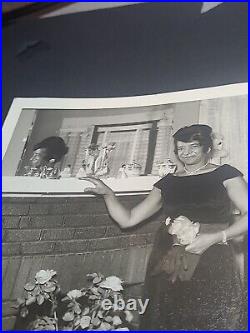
<point x="79" y="309"/>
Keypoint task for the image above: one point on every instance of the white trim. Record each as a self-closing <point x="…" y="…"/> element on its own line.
<point x="123" y="128"/>
<point x="68" y="195"/>
<point x="74" y="186"/>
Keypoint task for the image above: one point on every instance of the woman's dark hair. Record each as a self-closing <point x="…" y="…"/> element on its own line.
<point x="200" y="133"/>
<point x="55" y="147"/>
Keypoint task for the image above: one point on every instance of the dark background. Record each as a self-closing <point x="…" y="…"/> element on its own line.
<point x="125" y="51"/>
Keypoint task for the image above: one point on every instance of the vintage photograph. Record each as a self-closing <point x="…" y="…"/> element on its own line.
<point x="149" y="202"/>
<point x="124" y="166"/>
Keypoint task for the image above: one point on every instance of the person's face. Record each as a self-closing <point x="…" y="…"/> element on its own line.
<point x="39" y="157"/>
<point x="191" y="152"/>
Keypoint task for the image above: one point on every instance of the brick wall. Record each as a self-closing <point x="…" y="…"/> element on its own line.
<point x="73" y="236"/>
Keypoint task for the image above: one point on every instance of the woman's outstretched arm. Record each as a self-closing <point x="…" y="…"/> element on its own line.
<point x="123" y="216"/>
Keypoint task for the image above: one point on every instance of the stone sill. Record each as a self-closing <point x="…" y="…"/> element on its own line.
<point x="32" y="186"/>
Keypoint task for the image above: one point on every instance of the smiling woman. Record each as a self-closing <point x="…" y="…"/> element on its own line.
<point x="193" y="146"/>
<point x="195" y="284"/>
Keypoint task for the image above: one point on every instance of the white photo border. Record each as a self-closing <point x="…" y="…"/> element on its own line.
<point x="144" y="183"/>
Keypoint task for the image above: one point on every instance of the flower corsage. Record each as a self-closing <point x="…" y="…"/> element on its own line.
<point x="184" y="229"/>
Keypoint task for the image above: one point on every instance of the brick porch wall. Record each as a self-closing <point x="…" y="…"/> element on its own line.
<point x="73" y="236"/>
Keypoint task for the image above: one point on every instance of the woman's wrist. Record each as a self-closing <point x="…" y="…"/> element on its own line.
<point x="109" y="194"/>
<point x="220" y="237"/>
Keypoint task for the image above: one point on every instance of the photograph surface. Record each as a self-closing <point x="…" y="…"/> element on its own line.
<point x="116" y="211"/>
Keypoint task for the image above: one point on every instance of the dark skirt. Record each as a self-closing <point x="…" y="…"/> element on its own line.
<point x="210" y="300"/>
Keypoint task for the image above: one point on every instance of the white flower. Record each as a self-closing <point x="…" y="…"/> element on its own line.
<point x="179" y="224"/>
<point x="168" y="220"/>
<point x="112" y="282"/>
<point x="74" y="294"/>
<point x="117" y="321"/>
<point x="188" y="235"/>
<point x="44" y="276"/>
<point x="184" y="229"/>
<point x="85" y="322"/>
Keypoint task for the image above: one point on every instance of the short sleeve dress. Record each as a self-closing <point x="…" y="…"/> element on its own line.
<point x="212" y="299"/>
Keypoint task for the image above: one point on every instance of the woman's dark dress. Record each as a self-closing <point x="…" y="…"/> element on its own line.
<point x="212" y="299"/>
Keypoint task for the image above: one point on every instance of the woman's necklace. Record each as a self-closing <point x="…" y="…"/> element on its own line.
<point x="194" y="171"/>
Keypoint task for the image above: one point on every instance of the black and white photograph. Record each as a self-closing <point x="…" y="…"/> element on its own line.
<point x="125" y="211"/>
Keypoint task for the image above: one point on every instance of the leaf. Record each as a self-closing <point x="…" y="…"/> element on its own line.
<point x="85" y="311"/>
<point x="96" y="321"/>
<point x="36" y="291"/>
<point x="20" y="300"/>
<point x="49" y="288"/>
<point x="97" y="279"/>
<point x="49" y="320"/>
<point x="109" y="319"/>
<point x="31" y="300"/>
<point x="24" y="312"/>
<point x="93" y="297"/>
<point x="38" y="324"/>
<point x="65" y="298"/>
<point x="49" y="328"/>
<point x="40" y="299"/>
<point x="91" y="276"/>
<point x="95" y="291"/>
<point x="122" y="329"/>
<point x="29" y="286"/>
<point x="58" y="289"/>
<point x="77" y="322"/>
<point x="85" y="322"/>
<point x="46" y="296"/>
<point x="77" y="309"/>
<point x="68" y="316"/>
<point x="84" y="292"/>
<point x="38" y="328"/>
<point x="129" y="315"/>
<point x="102" y="291"/>
<point x="117" y="321"/>
<point x="101" y="275"/>
<point x="100" y="314"/>
<point x="105" y="327"/>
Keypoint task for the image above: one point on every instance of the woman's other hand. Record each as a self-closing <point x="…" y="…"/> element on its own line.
<point x="202" y="242"/>
<point x="100" y="188"/>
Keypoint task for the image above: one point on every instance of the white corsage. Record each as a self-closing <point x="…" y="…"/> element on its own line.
<point x="184" y="229"/>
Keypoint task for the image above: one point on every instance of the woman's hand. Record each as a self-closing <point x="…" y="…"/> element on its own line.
<point x="100" y="188"/>
<point x="202" y="242"/>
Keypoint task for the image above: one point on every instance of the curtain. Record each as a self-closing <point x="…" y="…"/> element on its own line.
<point x="121" y="153"/>
<point x="228" y="117"/>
